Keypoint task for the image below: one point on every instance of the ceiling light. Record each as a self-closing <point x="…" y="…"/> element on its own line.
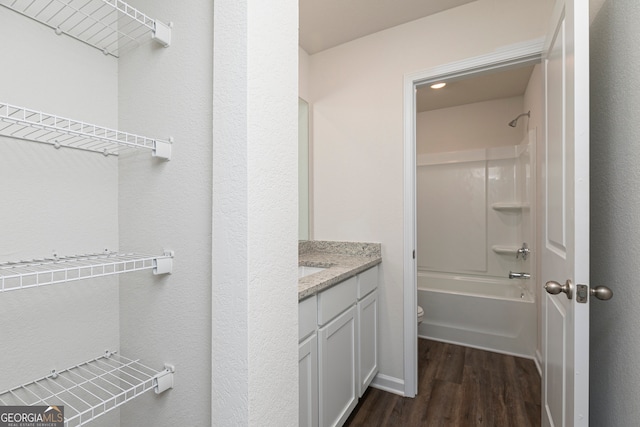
<point x="438" y="85"/>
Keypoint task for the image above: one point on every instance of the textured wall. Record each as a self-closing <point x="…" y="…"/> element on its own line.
<point x="615" y="225"/>
<point x="230" y="308"/>
<point x="167" y="205"/>
<point x="357" y="98"/>
<point x="255" y="346"/>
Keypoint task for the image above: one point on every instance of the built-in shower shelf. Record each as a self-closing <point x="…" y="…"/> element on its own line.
<point x="111" y="26"/>
<point x="92" y="388"/>
<point x="510" y="206"/>
<point x="40" y="272"/>
<point x="505" y="250"/>
<point x="31" y="125"/>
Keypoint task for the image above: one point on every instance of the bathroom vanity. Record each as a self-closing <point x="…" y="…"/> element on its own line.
<point x="338" y="328"/>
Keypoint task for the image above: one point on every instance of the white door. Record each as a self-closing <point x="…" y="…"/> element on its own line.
<point x="565" y="225"/>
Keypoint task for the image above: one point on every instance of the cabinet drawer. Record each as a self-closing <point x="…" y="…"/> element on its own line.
<point x="307" y="316"/>
<point x="367" y="281"/>
<point x="336" y="299"/>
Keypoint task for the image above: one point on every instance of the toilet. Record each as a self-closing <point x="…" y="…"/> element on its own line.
<point x="420" y="314"/>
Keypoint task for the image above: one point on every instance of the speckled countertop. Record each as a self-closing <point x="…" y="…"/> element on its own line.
<point x="341" y="260"/>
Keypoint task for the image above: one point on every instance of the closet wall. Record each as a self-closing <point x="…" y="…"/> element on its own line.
<point x="167" y="205"/>
<point x="74" y="202"/>
<point x="56" y="201"/>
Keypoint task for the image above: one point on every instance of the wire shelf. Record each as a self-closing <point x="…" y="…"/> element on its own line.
<point x="23" y="123"/>
<point x="40" y="272"/>
<point x="90" y="389"/>
<point x="111" y="26"/>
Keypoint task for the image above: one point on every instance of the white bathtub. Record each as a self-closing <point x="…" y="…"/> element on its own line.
<point x="487" y="313"/>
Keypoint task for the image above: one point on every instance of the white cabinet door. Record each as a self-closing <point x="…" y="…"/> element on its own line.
<point x="367" y="340"/>
<point x="308" y="382"/>
<point x="337" y="368"/>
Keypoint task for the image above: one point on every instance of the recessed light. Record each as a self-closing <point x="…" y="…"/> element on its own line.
<point x="438" y="85"/>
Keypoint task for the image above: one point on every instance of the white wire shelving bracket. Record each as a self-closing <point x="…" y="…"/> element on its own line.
<point x="111" y="26"/>
<point x="23" y="123"/>
<point x="92" y="388"/>
<point x="40" y="272"/>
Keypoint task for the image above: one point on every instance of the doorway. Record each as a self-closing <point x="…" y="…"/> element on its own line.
<point x="510" y="57"/>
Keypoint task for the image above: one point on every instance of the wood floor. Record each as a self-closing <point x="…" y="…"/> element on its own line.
<point x="458" y="386"/>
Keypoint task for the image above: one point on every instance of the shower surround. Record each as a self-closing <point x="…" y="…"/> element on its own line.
<point x="474" y="216"/>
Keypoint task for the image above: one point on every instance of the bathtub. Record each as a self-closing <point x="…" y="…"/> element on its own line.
<point x="488" y="313"/>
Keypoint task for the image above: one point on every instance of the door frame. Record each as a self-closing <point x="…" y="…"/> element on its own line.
<point x="502" y="58"/>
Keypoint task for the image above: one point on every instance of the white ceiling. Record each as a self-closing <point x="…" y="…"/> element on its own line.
<point x="329" y="23"/>
<point x="485" y="87"/>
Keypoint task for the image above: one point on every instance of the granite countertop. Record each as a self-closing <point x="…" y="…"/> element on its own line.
<point x="341" y="260"/>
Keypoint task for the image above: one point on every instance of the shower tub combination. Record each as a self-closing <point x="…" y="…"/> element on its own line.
<point x="488" y="313"/>
<point x="474" y="213"/>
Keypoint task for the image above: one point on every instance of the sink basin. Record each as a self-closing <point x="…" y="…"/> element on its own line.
<point x="306" y="271"/>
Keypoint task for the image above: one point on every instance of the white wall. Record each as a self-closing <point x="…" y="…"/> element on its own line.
<point x="62" y="201"/>
<point x="167" y="92"/>
<point x="255" y="246"/>
<point x="471" y="126"/>
<point x="615" y="225"/>
<point x="357" y="98"/>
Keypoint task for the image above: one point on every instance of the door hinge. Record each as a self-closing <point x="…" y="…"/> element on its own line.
<point x="414" y="254"/>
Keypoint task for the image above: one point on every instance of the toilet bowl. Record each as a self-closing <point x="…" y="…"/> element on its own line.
<point x="420" y="314"/>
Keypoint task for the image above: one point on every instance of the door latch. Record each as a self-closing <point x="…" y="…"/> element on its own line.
<point x="582" y="293"/>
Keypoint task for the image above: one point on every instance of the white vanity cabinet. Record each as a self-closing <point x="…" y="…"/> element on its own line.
<point x="308" y="362"/>
<point x="338" y="351"/>
<point x="367" y="328"/>
<point x="346" y="354"/>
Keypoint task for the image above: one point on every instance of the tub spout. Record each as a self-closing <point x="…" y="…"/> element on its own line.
<point x="513" y="275"/>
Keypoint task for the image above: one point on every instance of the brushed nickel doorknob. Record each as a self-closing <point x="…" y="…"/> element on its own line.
<point x="601" y="292"/>
<point x="554" y="288"/>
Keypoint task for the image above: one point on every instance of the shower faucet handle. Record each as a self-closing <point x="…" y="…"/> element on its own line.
<point x="524" y="251"/>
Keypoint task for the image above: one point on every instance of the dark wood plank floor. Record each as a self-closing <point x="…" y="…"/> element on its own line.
<point x="458" y="386"/>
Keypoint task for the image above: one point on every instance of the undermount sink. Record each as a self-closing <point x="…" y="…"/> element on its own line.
<point x="303" y="270"/>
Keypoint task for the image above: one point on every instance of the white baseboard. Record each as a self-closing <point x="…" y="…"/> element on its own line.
<point x="388" y="383"/>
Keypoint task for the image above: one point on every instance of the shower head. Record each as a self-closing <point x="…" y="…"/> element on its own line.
<point x="514" y="122"/>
